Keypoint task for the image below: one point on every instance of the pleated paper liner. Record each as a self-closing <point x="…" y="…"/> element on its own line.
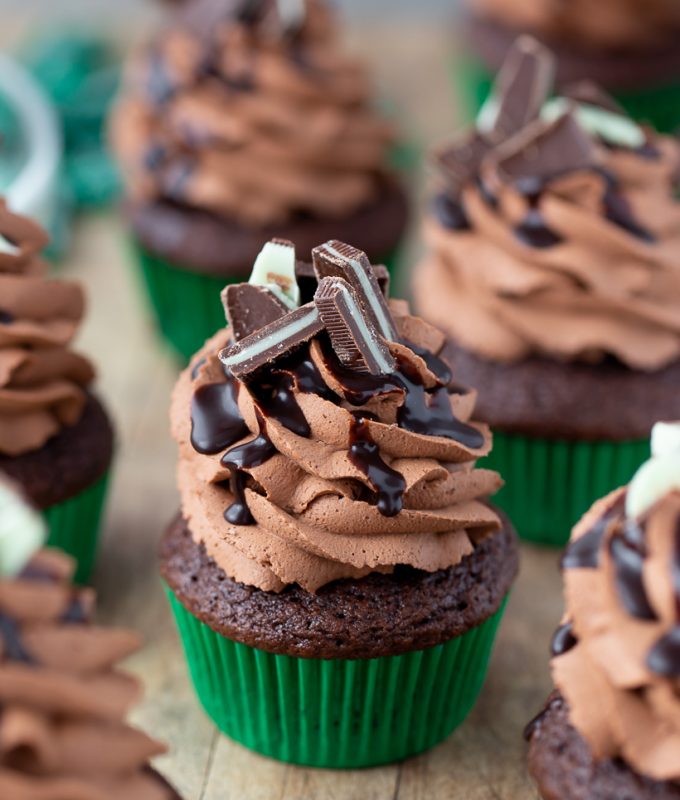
<point x="551" y="483"/>
<point x="186" y="304"/>
<point x="335" y="713"/>
<point x="658" y="106"/>
<point x="74" y="526"/>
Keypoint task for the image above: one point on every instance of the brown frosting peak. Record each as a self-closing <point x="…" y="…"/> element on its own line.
<point x="617" y="655"/>
<point x="310" y="467"/>
<point x="63" y="702"/>
<point x="610" y="24"/>
<point x="557" y="231"/>
<point x="236" y="110"/>
<point x="42" y="381"/>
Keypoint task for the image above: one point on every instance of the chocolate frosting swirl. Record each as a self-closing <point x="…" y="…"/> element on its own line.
<point x="238" y="112"/>
<point x="63" y="702"/>
<point x="556" y="241"/>
<point x="323" y="507"/>
<point x="42" y="381"/>
<point x="609" y="24"/>
<point x="617" y="655"/>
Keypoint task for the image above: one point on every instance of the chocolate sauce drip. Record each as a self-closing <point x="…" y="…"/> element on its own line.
<point x="486" y="194"/>
<point x="75" y="613"/>
<point x="628" y="556"/>
<point x="533" y="229"/>
<point x="664" y="657"/>
<point x="5" y="317"/>
<point x="197" y="368"/>
<point x="155" y="156"/>
<point x="275" y="399"/>
<point x="450" y="212"/>
<point x="13" y="648"/>
<point x="176" y="178"/>
<point x="535" y="725"/>
<point x="243" y="456"/>
<point x="436" y="365"/>
<point x="563" y="640"/>
<point x="216" y="421"/>
<point x="584" y="552"/>
<point x="160" y="85"/>
<point x="618" y="210"/>
<point x="388" y="484"/>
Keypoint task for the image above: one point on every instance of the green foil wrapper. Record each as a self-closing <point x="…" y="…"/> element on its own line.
<point x="74" y="526"/>
<point x="335" y="713"/>
<point x="656" y="105"/>
<point x="186" y="304"/>
<point x="551" y="483"/>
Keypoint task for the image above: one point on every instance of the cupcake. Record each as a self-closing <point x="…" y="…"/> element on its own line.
<point x="243" y="122"/>
<point x="63" y="700"/>
<point x="56" y="440"/>
<point x="336" y="569"/>
<point x="627" y="46"/>
<point x="554" y="269"/>
<point x="612" y="727"/>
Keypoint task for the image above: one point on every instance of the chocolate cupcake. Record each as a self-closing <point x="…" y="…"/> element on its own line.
<point x="554" y="267"/>
<point x="63" y="701"/>
<point x="242" y="122"/>
<point x="56" y="441"/>
<point x="612" y="729"/>
<point x="627" y="46"/>
<point x="336" y="569"/>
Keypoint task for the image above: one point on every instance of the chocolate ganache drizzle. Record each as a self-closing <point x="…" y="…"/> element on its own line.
<point x="556" y="229"/>
<point x="317" y="448"/>
<point x="616" y="657"/>
<point x="63" y="701"/>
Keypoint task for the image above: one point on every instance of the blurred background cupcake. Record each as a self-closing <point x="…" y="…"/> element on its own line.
<point x="56" y="440"/>
<point x="627" y="46"/>
<point x="239" y="123"/>
<point x="336" y="568"/>
<point x="612" y="727"/>
<point x="553" y="265"/>
<point x="63" y="698"/>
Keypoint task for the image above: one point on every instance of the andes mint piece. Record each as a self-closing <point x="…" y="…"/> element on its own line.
<point x="355" y="340"/>
<point x="611" y="126"/>
<point x="337" y="260"/>
<point x="461" y="160"/>
<point x="593" y="95"/>
<point x="274" y="268"/>
<point x="307" y="280"/>
<point x="547" y="150"/>
<point x="522" y="86"/>
<point x="249" y="308"/>
<point x="273" y="341"/>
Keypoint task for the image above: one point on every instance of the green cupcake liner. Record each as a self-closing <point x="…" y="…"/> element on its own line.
<point x="658" y="105"/>
<point x="74" y="526"/>
<point x="551" y="483"/>
<point x="186" y="304"/>
<point x="337" y="713"/>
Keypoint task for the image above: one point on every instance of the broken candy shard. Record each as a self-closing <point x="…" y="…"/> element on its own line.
<point x="274" y="268"/>
<point x="307" y="280"/>
<point x="273" y="341"/>
<point x="461" y="160"/>
<point x="355" y="340"/>
<point x="249" y="308"/>
<point x="337" y="260"/>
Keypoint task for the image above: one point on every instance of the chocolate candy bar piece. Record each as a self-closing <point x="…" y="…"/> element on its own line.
<point x="337" y="260"/>
<point x="274" y="268"/>
<point x="307" y="281"/>
<point x="461" y="160"/>
<point x="273" y="341"/>
<point x="355" y="340"/>
<point x="522" y="87"/>
<point x="249" y="308"/>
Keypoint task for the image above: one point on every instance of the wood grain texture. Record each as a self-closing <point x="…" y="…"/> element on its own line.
<point x="484" y="760"/>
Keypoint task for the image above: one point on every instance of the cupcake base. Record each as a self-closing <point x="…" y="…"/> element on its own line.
<point x="67" y="479"/>
<point x="563" y="767"/>
<point x="645" y="83"/>
<point x="363" y="683"/>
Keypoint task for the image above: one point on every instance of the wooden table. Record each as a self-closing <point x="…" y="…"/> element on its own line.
<point x="484" y="760"/>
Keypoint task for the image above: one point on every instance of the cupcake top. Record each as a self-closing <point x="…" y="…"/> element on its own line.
<point x="321" y="435"/>
<point x="609" y="24"/>
<point x="43" y="383"/>
<point x="251" y="110"/>
<point x="557" y="229"/>
<point x="63" y="702"/>
<point x="617" y="654"/>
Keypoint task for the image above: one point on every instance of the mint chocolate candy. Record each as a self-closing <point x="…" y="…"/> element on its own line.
<point x="249" y="308"/>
